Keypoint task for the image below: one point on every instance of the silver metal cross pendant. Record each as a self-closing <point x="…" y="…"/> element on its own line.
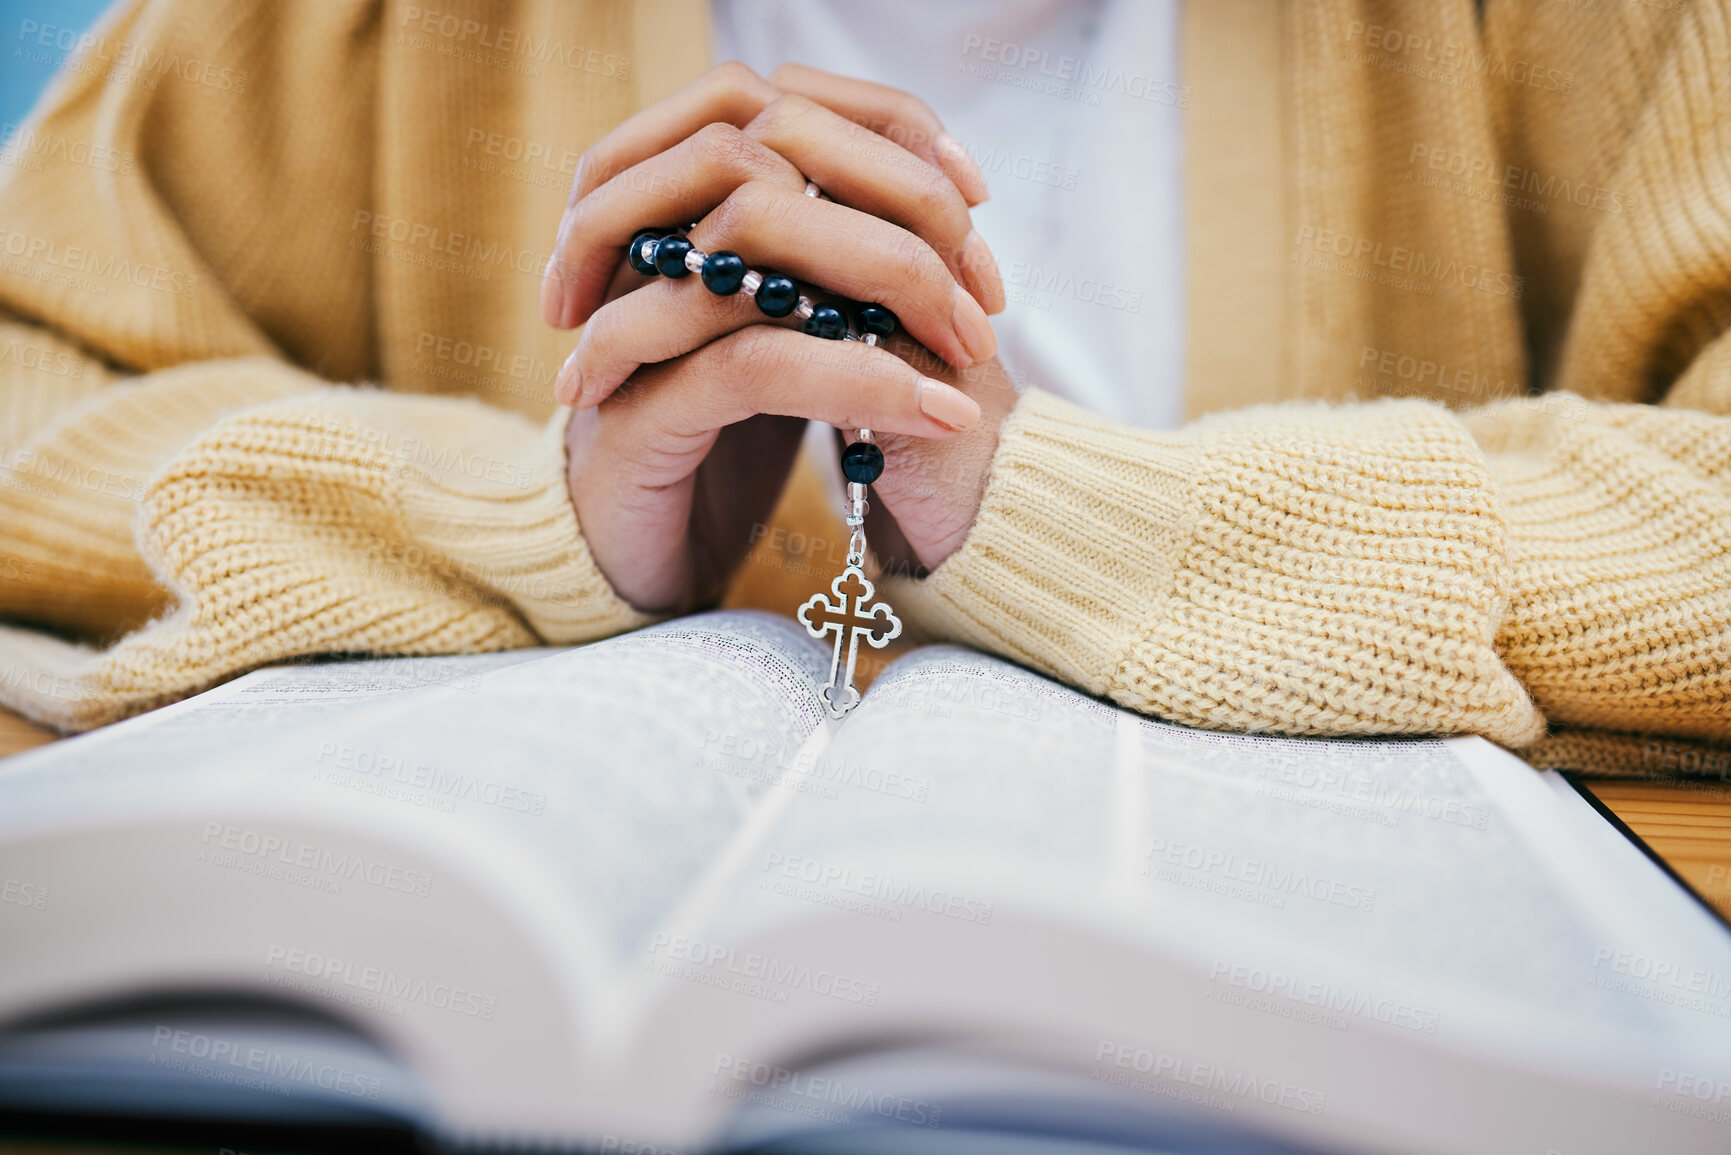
<point x="849" y="620"/>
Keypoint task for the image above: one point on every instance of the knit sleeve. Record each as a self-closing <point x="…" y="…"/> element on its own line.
<point x="294" y="518"/>
<point x="1397" y="568"/>
<point x="80" y="444"/>
<point x="1371" y="569"/>
<point x="185" y="492"/>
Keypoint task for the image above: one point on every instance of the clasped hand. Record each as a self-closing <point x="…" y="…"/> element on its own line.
<point x="690" y="407"/>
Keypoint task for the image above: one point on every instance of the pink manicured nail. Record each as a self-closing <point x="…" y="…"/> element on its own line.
<point x="552" y="295"/>
<point x="949" y="407"/>
<point x="569" y="383"/>
<point x="972" y="327"/>
<point x="982" y="269"/>
<point x="956" y="153"/>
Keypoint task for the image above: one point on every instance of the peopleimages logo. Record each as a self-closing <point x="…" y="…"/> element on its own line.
<point x="1425" y="372"/>
<point x="260" y="1068"/>
<point x="234" y="846"/>
<point x="1422" y="54"/>
<point x="35" y="142"/>
<point x="125" y="62"/>
<point x="465" y="38"/>
<point x="764" y="976"/>
<point x="1698" y="1096"/>
<point x="1072" y="76"/>
<point x="877" y="886"/>
<point x="339" y="973"/>
<point x="58" y="362"/>
<point x="484" y="359"/>
<point x="1662" y="980"/>
<point x="1694" y="1086"/>
<point x="791" y="1090"/>
<point x="443" y="783"/>
<point x="38" y="256"/>
<point x="20" y="893"/>
<point x="1215" y="1086"/>
<point x="1514" y="178"/>
<point x="1308" y="784"/>
<point x="1324" y="997"/>
<point x="1399" y="259"/>
<point x="1177" y="857"/>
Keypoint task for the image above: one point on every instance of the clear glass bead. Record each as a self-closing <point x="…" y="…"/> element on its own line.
<point x="752" y="280"/>
<point x="694" y="260"/>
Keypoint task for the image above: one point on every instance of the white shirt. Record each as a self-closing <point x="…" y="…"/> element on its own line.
<point x="1073" y="110"/>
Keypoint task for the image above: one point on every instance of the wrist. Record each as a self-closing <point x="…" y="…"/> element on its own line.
<point x="933" y="488"/>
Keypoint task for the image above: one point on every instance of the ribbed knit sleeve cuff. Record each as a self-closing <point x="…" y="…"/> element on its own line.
<point x="69" y="492"/>
<point x="520" y="539"/>
<point x="1292" y="569"/>
<point x="1077" y="524"/>
<point x="344" y="521"/>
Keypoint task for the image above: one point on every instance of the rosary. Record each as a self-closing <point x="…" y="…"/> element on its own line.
<point x="844" y="612"/>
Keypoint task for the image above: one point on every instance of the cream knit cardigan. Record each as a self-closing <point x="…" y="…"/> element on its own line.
<point x="225" y="217"/>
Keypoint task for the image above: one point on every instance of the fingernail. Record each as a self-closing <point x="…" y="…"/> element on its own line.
<point x="949" y="407"/>
<point x="552" y="294"/>
<point x="972" y="327"/>
<point x="982" y="268"/>
<point x="569" y="383"/>
<point x="956" y="153"/>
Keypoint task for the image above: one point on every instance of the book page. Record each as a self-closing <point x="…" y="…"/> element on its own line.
<point x="1392" y="875"/>
<point x="459" y="853"/>
<point x="619" y="766"/>
<point x="986" y="864"/>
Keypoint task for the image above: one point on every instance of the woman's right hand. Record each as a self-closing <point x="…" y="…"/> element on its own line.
<point x="715" y="390"/>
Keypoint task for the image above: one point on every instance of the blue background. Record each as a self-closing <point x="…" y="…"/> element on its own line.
<point x="22" y="78"/>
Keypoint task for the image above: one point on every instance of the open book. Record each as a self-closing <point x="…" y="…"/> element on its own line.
<point x="642" y="895"/>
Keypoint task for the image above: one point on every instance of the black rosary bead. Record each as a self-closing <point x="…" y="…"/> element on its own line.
<point x="634" y="254"/>
<point x="723" y="273"/>
<point x="777" y="296"/>
<point x="670" y="256"/>
<point x="877" y="321"/>
<point x="826" y="321"/>
<point x="862" y="462"/>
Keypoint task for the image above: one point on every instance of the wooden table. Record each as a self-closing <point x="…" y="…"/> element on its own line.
<point x="16" y="734"/>
<point x="1687" y="825"/>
